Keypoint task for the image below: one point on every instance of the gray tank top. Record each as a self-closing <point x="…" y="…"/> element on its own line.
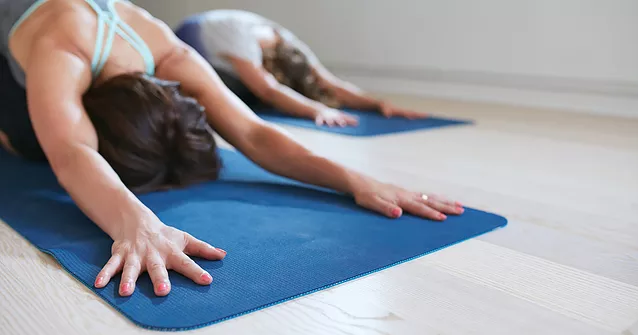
<point x="13" y="12"/>
<point x="10" y="13"/>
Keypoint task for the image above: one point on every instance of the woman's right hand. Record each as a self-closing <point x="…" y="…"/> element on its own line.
<point x="156" y="248"/>
<point x="334" y="117"/>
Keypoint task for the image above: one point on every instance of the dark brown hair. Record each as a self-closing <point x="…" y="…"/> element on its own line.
<point x="153" y="137"/>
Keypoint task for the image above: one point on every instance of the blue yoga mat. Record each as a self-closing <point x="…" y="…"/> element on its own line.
<point x="284" y="240"/>
<point x="371" y="123"/>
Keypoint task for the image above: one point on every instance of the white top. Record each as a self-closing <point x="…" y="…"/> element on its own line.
<point x="237" y="33"/>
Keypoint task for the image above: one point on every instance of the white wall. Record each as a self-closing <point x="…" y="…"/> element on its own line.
<point x="578" y="47"/>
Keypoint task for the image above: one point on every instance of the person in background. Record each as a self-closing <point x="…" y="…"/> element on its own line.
<point x="117" y="105"/>
<point x="264" y="63"/>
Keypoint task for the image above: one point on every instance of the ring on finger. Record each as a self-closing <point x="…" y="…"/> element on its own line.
<point x="424" y="197"/>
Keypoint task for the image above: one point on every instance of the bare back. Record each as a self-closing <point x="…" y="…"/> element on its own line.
<point x="73" y="25"/>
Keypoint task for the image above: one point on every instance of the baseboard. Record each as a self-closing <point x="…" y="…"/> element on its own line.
<point x="584" y="96"/>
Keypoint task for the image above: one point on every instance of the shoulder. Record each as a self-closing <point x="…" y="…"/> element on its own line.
<point x="57" y="29"/>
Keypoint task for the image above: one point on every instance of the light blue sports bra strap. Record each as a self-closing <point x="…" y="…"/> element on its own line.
<point x="116" y="25"/>
<point x="127" y="33"/>
<point x="99" y="39"/>
<point x="103" y="48"/>
<point x="142" y="48"/>
<point x="108" y="45"/>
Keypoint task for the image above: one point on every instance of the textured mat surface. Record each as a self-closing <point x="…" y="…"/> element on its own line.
<point x="284" y="240"/>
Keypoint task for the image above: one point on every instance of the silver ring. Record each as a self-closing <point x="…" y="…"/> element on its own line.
<point x="424" y="197"/>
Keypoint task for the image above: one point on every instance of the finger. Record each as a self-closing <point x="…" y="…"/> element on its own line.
<point x="352" y="121"/>
<point x="330" y="122"/>
<point x="382" y="206"/>
<point x="420" y="209"/>
<point x="416" y="115"/>
<point x="447" y="201"/>
<point x="388" y="111"/>
<point x="419" y="114"/>
<point x="444" y="200"/>
<point x="130" y="273"/>
<point x="445" y="208"/>
<point x="198" y="248"/>
<point x="342" y="122"/>
<point x="385" y="111"/>
<point x="319" y="121"/>
<point x="443" y="205"/>
<point x="186" y="266"/>
<point x="410" y="115"/>
<point x="156" y="269"/>
<point x="405" y="115"/>
<point x="113" y="266"/>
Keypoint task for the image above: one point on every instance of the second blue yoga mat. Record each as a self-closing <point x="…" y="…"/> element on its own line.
<point x="284" y="240"/>
<point x="371" y="123"/>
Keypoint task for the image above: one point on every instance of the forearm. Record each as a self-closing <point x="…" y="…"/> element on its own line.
<point x="99" y="192"/>
<point x="353" y="97"/>
<point x="289" y="101"/>
<point x="348" y="94"/>
<point x="279" y="154"/>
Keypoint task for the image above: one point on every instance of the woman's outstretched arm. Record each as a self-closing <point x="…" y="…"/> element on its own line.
<point x="280" y="154"/>
<point x="350" y="95"/>
<point x="354" y="97"/>
<point x="263" y="85"/>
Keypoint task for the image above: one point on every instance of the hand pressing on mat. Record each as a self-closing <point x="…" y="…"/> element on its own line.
<point x="333" y="117"/>
<point x="389" y="110"/>
<point x="392" y="201"/>
<point x="156" y="248"/>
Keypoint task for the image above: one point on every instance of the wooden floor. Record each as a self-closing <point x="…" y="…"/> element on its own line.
<point x="567" y="263"/>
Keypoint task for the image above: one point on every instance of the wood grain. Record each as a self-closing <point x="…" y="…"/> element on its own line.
<point x="566" y="264"/>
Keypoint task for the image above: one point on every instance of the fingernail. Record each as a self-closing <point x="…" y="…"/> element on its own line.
<point x="396" y="212"/>
<point x="442" y="217"/>
<point x="206" y="277"/>
<point x="99" y="281"/>
<point x="460" y="209"/>
<point x="222" y="251"/>
<point x="125" y="287"/>
<point x="459" y="204"/>
<point x="163" y="287"/>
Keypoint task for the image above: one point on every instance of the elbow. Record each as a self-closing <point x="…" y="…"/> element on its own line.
<point x="63" y="161"/>
<point x="59" y="152"/>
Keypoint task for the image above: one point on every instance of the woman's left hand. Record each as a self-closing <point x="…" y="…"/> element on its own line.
<point x="334" y="117"/>
<point x="389" y="110"/>
<point x="392" y="201"/>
